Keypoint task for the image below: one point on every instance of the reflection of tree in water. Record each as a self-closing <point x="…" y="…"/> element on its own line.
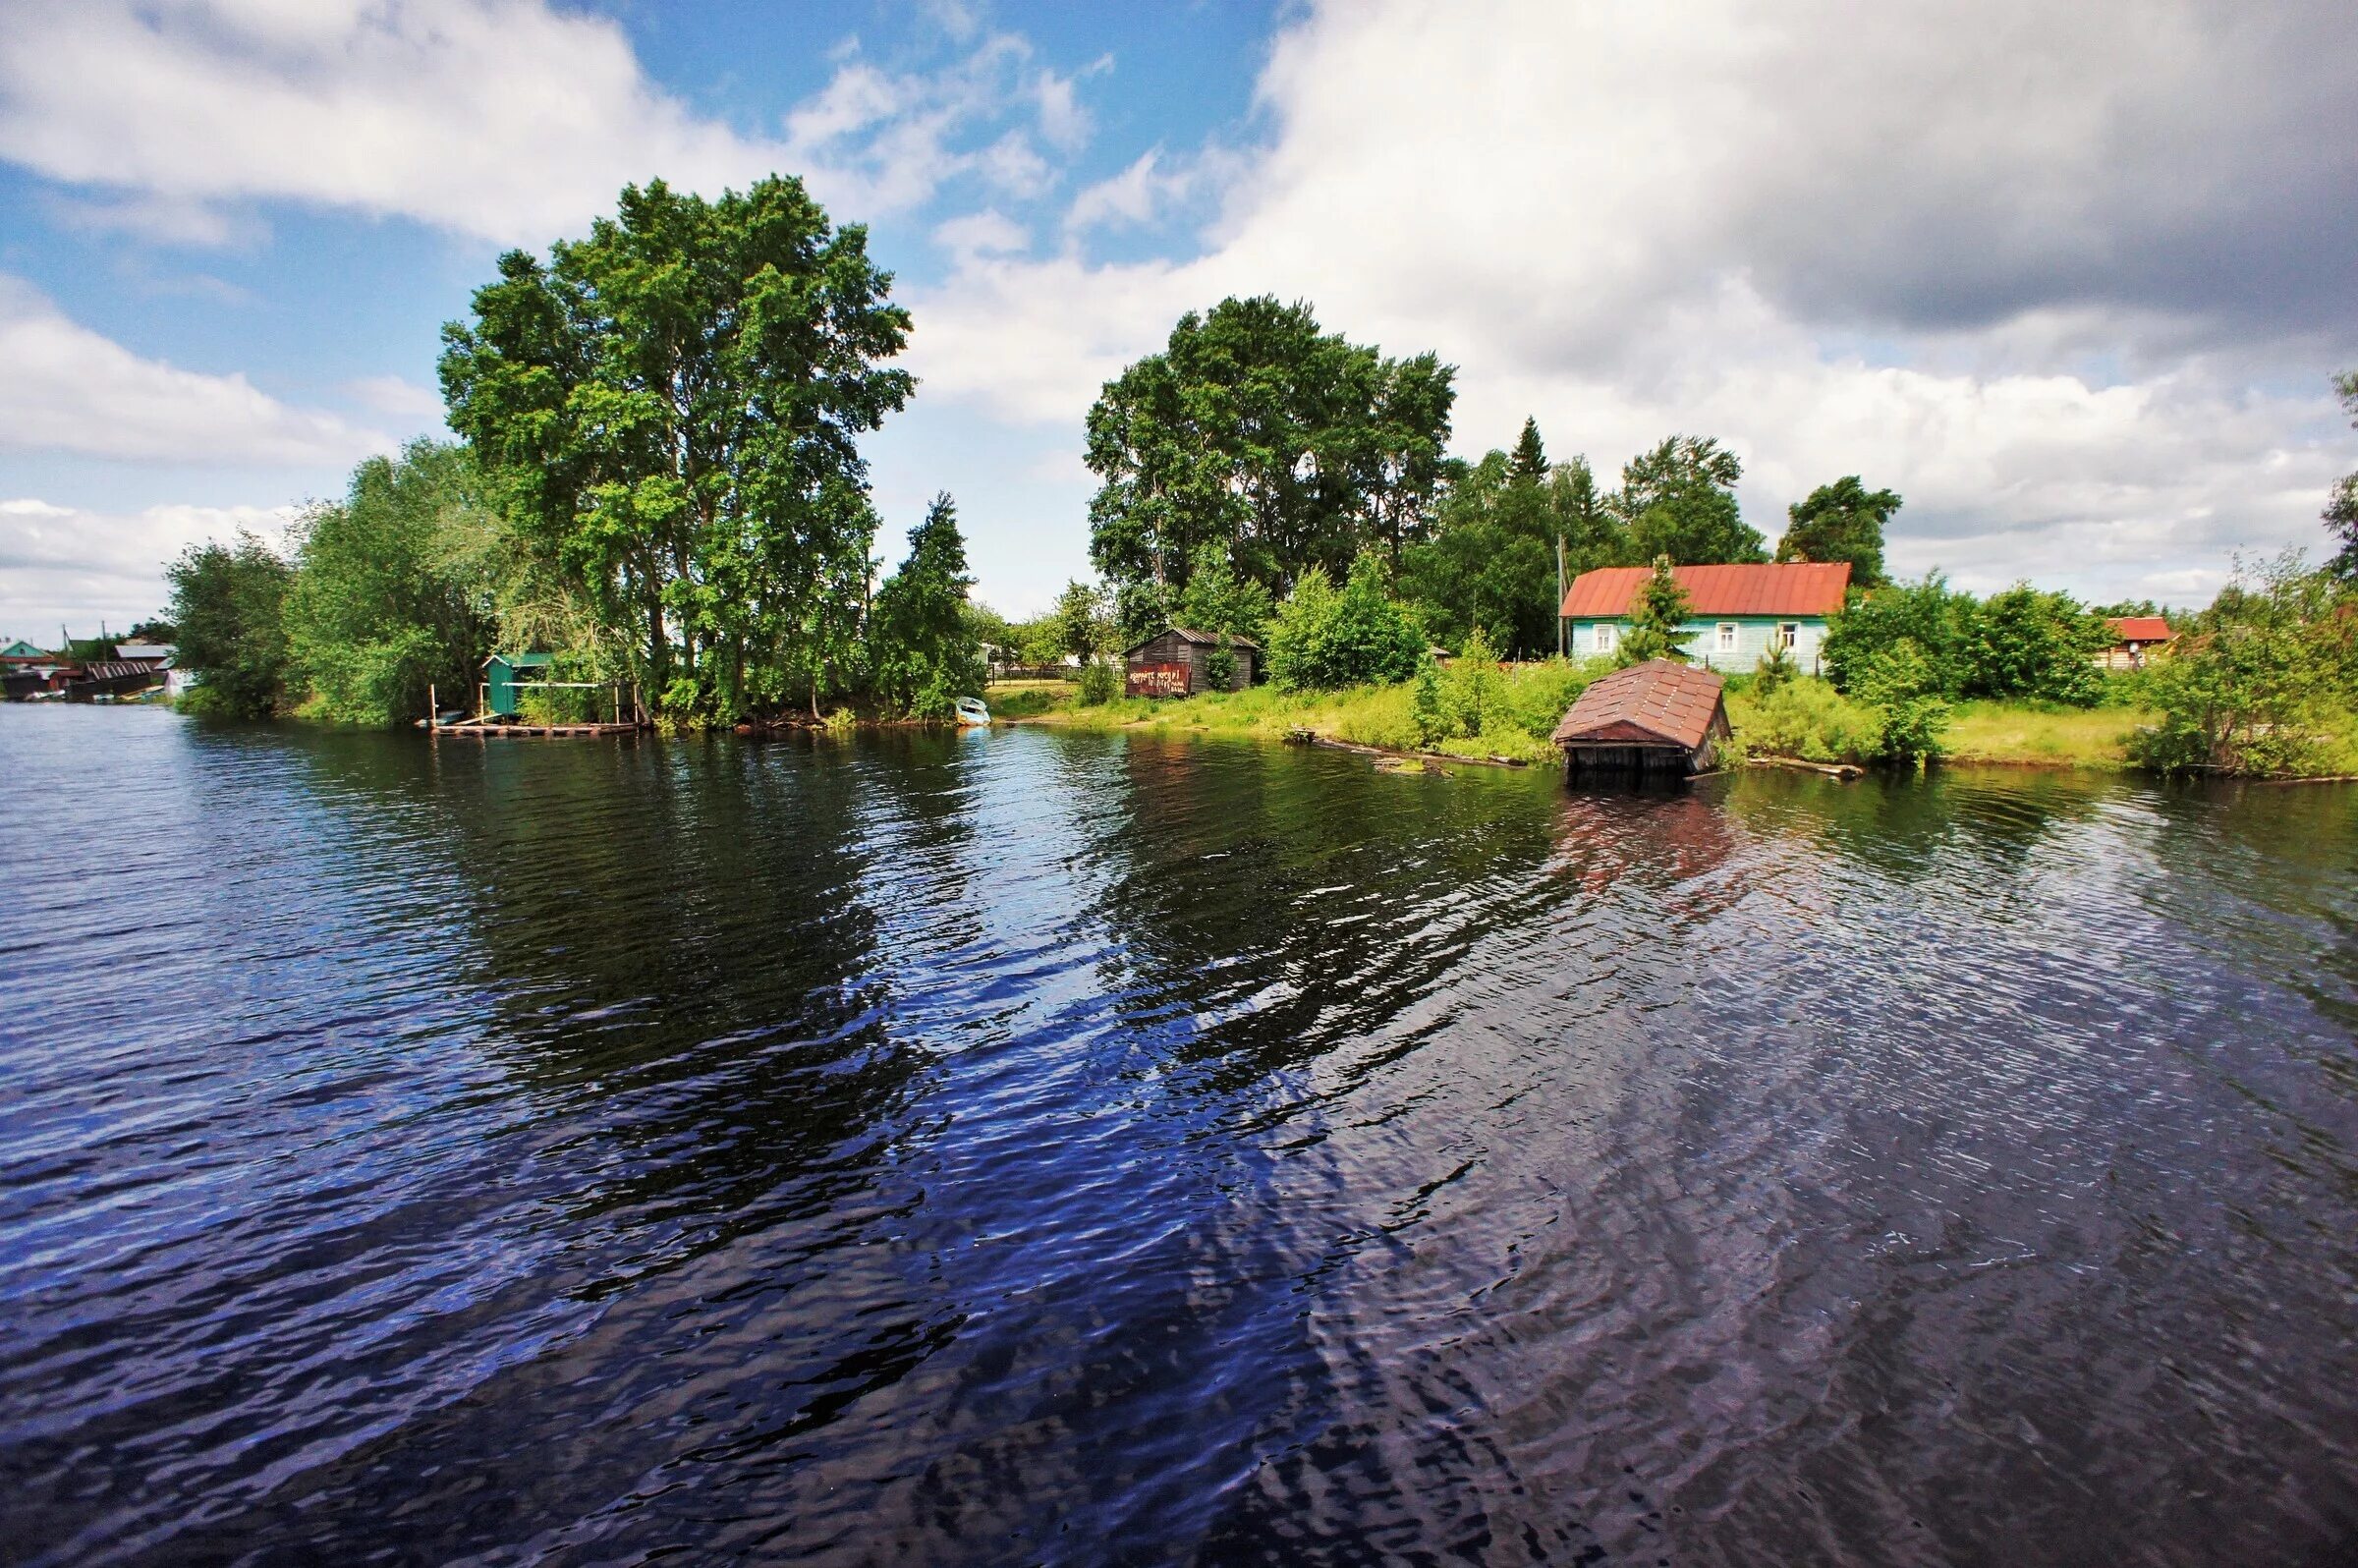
<point x="682" y="940"/>
<point x="2271" y="868"/>
<point x="676" y="948"/>
<point x="1269" y="904"/>
<point x="1984" y="822"/>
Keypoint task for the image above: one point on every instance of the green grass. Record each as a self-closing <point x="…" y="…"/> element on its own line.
<point x="1528" y="701"/>
<point x="1811" y="720"/>
<point x="2044" y="734"/>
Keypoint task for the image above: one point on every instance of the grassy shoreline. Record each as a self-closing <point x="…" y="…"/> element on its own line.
<point x="1982" y="733"/>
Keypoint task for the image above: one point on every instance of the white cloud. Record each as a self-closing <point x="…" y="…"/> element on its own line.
<point x="2025" y="265"/>
<point x="979" y="234"/>
<point x="68" y="389"/>
<point x="503" y="119"/>
<point x="396" y="396"/>
<point x="61" y="565"/>
<point x="147" y="216"/>
<point x="1130" y="196"/>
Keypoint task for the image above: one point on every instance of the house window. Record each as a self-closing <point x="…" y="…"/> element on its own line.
<point x="1727" y="636"/>
<point x="1788" y="634"/>
<point x="1605" y="639"/>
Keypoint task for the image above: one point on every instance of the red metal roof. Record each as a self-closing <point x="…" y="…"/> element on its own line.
<point x="1800" y="588"/>
<point x="2140" y="628"/>
<point x="1658" y="701"/>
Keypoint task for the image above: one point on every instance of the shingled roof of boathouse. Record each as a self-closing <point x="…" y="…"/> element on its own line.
<point x="1660" y="703"/>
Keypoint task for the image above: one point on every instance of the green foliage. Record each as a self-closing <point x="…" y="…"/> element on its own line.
<point x="1219" y="665"/>
<point x="1528" y="465"/>
<point x="1491" y="561"/>
<point x="392" y="589"/>
<point x="229" y="602"/>
<point x="1774" y="669"/>
<point x="1840" y="522"/>
<point x="1928" y="613"/>
<point x="1901" y="684"/>
<point x="1323" y="638"/>
<point x="1141" y="610"/>
<point x="667" y="412"/>
<point x="1808" y="718"/>
<point x="1082" y="626"/>
<point x="1426" y="710"/>
<point x="1655" y="618"/>
<point x="1472" y="693"/>
<point x="2341" y="507"/>
<point x="1679" y="500"/>
<point x="2265" y="682"/>
<point x="1100" y="683"/>
<point x="2023" y="644"/>
<point x="1285" y="446"/>
<point x="1216" y="599"/>
<point x="921" y="651"/>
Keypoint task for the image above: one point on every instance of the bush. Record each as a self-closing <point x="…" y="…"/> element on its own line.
<point x="1473" y="690"/>
<point x="2266" y="682"/>
<point x="1100" y="683"/>
<point x="2023" y="644"/>
<point x="1219" y="668"/>
<point x="1426" y="711"/>
<point x="1324" y="640"/>
<point x="230" y="605"/>
<point x="1809" y="719"/>
<point x="1927" y="613"/>
<point x="1912" y="716"/>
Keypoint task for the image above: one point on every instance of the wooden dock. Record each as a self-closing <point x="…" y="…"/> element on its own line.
<point x="499" y="731"/>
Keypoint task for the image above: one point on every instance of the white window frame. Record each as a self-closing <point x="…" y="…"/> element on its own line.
<point x="1607" y="636"/>
<point x="1729" y="633"/>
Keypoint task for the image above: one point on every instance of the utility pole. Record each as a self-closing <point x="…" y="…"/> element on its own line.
<point x="1560" y="651"/>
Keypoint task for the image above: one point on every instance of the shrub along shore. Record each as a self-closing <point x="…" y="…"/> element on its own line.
<point x="1533" y="698"/>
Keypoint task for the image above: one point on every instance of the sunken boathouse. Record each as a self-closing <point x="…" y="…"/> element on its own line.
<point x="1655" y="717"/>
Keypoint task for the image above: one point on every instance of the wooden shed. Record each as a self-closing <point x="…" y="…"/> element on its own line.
<point x="1178" y="663"/>
<point x="505" y="674"/>
<point x="2134" y="636"/>
<point x="1658" y="716"/>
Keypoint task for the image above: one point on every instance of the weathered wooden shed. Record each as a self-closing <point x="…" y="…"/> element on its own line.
<point x="1658" y="716"/>
<point x="1178" y="663"/>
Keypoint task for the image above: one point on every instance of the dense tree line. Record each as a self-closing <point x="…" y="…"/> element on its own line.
<point x="412" y="580"/>
<point x="667" y="414"/>
<point x="659" y="482"/>
<point x="1272" y="444"/>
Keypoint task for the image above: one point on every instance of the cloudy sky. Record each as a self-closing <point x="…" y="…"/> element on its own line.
<point x="2071" y="278"/>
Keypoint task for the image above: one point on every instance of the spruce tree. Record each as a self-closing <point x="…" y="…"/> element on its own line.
<point x="1657" y="619"/>
<point x="1529" y="465"/>
<point x="923" y="656"/>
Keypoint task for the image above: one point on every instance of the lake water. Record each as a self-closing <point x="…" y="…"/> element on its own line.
<point x="1028" y="1146"/>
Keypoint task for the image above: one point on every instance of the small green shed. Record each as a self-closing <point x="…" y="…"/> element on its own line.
<point x="504" y="673"/>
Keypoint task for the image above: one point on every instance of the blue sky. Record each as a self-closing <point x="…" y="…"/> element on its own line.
<point x="2071" y="283"/>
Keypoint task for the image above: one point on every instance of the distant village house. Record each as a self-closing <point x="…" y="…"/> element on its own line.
<point x="1734" y="613"/>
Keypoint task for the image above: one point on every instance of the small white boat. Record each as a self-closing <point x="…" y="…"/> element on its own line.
<point x="970" y="711"/>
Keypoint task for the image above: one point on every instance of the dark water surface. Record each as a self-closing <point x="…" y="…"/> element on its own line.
<point x="1030" y="1147"/>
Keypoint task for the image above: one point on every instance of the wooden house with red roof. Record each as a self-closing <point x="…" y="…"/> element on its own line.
<point x="1658" y="716"/>
<point x="1734" y="613"/>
